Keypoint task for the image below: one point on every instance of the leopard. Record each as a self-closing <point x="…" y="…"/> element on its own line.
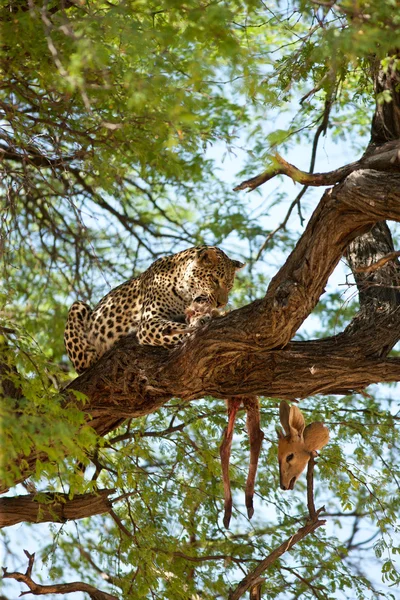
<point x="151" y="305"/>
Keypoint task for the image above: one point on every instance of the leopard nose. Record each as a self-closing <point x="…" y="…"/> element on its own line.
<point x="222" y="298"/>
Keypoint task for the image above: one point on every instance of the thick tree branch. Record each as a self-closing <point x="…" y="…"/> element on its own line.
<point x="386" y="121"/>
<point x="53" y="507"/>
<point x="60" y="588"/>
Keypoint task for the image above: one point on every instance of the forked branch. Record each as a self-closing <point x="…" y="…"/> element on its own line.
<point x="61" y="588"/>
<point x="248" y="351"/>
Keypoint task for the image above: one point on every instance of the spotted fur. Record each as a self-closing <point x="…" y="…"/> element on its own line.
<point x="152" y="305"/>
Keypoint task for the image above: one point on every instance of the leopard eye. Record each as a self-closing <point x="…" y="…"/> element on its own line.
<point x="289" y="457"/>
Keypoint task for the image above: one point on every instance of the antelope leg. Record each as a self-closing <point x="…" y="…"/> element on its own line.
<point x="225" y="453"/>
<point x="256" y="436"/>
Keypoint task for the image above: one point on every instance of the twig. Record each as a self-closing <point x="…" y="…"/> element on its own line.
<point x="281" y="226"/>
<point x="378" y="264"/>
<point x="288" y="544"/>
<point x="296" y="202"/>
<point x="60" y="588"/>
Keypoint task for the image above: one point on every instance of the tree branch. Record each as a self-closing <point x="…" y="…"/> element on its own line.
<point x="296" y="202"/>
<point x="51" y="507"/>
<point x="247" y="352"/>
<point x="60" y="588"/>
<point x="376" y="270"/>
<point x="379" y="263"/>
<point x="385" y="158"/>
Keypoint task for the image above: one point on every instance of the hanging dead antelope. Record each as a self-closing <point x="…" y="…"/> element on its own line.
<point x="296" y="447"/>
<point x="197" y="314"/>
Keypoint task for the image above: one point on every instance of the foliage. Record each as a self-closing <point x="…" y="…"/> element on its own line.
<point x="114" y="117"/>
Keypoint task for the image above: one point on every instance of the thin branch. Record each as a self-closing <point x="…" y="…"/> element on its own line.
<point x="252" y="577"/>
<point x="280" y="226"/>
<point x="87" y="556"/>
<point x="314" y="588"/>
<point x="310" y="487"/>
<point x="384" y="158"/>
<point x="378" y="264"/>
<point x="32" y="156"/>
<point x="296" y="202"/>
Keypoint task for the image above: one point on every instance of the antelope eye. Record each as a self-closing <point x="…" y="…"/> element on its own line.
<point x="289" y="457"/>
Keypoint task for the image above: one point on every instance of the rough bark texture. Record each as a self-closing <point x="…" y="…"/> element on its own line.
<point x="386" y="121"/>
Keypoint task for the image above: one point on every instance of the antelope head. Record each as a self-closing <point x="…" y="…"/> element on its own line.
<point x="297" y="444"/>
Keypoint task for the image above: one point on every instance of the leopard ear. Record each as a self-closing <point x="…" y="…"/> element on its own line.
<point x="207" y="257"/>
<point x="238" y="265"/>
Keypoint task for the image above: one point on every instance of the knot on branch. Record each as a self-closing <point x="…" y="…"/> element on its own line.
<point x="288" y="290"/>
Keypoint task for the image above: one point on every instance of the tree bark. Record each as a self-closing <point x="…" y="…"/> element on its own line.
<point x="386" y="121"/>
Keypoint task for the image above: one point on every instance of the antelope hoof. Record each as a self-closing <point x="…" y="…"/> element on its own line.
<point x="227" y="514"/>
<point x="249" y="506"/>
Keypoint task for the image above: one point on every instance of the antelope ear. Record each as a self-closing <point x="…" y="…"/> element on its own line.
<point x="296" y="422"/>
<point x="279" y="433"/>
<point x="316" y="436"/>
<point x="207" y="257"/>
<point x="284" y="411"/>
<point x="238" y="265"/>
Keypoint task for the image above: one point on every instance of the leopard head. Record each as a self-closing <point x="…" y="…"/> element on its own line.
<point x="210" y="276"/>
